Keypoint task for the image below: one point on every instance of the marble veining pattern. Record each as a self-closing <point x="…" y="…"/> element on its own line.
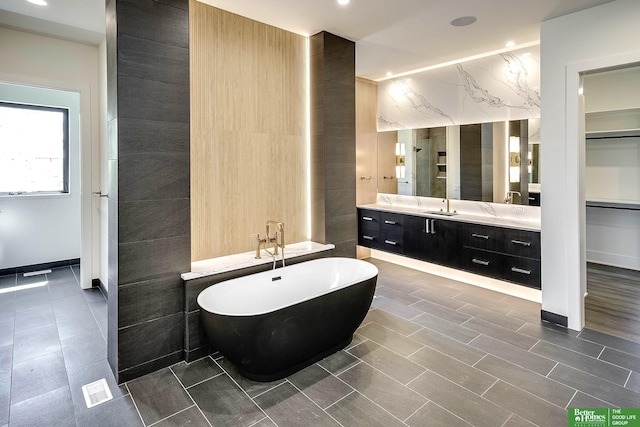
<point x="505" y="215"/>
<point x="496" y="88"/>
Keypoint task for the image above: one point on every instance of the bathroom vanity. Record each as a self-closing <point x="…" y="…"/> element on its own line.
<point x="489" y="246"/>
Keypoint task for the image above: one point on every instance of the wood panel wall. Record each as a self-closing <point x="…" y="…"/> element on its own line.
<point x="249" y="147"/>
<point x="366" y="140"/>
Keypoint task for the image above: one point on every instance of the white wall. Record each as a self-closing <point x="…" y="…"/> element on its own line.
<point x="596" y="38"/>
<point x="47" y="62"/>
<point x="39" y="229"/>
<point x="103" y="187"/>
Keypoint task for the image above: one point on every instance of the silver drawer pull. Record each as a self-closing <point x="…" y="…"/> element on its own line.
<point x="520" y="270"/>
<point x="480" y="236"/>
<point x="367" y="218"/>
<point x="390" y="242"/>
<point x="532" y="198"/>
<point x="520" y="242"/>
<point x="389" y="222"/>
<point x="479" y="261"/>
<point x="367" y="237"/>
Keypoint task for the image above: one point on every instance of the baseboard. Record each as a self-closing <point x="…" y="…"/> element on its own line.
<point x="37" y="267"/>
<point x="556" y="319"/>
<point x="97" y="283"/>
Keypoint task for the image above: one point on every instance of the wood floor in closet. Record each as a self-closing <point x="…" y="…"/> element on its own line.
<point x="613" y="303"/>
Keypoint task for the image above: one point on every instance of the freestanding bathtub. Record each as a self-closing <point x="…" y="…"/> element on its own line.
<point x="274" y="323"/>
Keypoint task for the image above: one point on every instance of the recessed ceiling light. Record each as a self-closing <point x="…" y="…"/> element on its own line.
<point x="343" y="2"/>
<point x="463" y="21"/>
<point x="38" y="2"/>
<point x="510" y="44"/>
<point x="389" y="74"/>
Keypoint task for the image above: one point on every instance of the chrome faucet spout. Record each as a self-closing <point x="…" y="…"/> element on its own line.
<point x="510" y="194"/>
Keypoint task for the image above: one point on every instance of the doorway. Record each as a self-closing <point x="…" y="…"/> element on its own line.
<point x="612" y="194"/>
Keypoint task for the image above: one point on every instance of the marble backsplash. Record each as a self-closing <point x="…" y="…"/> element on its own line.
<point x="519" y="213"/>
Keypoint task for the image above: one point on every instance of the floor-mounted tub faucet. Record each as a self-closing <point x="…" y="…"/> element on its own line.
<point x="276" y="241"/>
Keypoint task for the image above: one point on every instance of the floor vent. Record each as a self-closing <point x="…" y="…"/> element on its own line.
<point x="96" y="393"/>
<point x="36" y="273"/>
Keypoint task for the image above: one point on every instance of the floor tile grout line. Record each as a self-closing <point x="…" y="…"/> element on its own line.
<point x="353" y="390"/>
<point x="628" y="378"/>
<point x="244" y="391"/>
<point x="134" y="404"/>
<point x="571" y="400"/>
<point x="200" y="382"/>
<point x="259" y="421"/>
<point x="584" y="392"/>
<point x="190" y="397"/>
<point x="586" y="355"/>
<point x="167" y="417"/>
<point x="488" y="388"/>
<point x="481" y="359"/>
<point x="313" y="402"/>
<point x="606" y="345"/>
<point x="601" y="351"/>
<point x="536" y="343"/>
<point x="531" y="372"/>
<point x="416" y="411"/>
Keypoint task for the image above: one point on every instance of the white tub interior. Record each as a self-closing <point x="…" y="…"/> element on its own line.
<point x="275" y="289"/>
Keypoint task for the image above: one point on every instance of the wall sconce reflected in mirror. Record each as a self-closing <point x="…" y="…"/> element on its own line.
<point x="514" y="159"/>
<point x="400" y="160"/>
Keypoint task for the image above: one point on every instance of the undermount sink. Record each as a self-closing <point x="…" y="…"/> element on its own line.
<point x="443" y="213"/>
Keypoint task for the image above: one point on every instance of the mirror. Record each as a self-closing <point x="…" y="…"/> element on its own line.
<point x="492" y="162"/>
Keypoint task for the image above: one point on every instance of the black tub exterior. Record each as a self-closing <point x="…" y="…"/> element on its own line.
<point x="274" y="345"/>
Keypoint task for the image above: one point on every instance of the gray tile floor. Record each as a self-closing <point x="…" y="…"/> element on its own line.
<point x="431" y="352"/>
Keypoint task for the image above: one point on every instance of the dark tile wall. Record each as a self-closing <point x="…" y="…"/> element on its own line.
<point x="333" y="136"/>
<point x="149" y="172"/>
<point x="487" y="161"/>
<point x="470" y="162"/>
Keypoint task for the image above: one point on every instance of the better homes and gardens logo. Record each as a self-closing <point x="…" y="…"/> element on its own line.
<point x="604" y="417"/>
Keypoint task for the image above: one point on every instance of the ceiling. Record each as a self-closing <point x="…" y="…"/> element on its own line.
<point x="390" y="35"/>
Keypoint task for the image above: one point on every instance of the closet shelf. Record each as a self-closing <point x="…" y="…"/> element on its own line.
<point x="614" y="204"/>
<point x="622" y="133"/>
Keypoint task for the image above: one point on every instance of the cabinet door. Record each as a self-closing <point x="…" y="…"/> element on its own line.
<point x="431" y="240"/>
<point x="417" y="241"/>
<point x="447" y="243"/>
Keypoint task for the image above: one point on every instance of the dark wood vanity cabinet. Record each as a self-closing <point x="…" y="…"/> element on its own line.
<point x="498" y="252"/>
<point x="381" y="230"/>
<point x="503" y="253"/>
<point x="429" y="239"/>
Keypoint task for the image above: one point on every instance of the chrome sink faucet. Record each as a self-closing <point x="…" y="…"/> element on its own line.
<point x="510" y="195"/>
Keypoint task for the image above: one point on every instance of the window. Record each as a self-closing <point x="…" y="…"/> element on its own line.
<point x="34" y="149"/>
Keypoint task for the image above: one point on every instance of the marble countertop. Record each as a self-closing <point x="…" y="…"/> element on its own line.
<point x="208" y="267"/>
<point x="521" y="224"/>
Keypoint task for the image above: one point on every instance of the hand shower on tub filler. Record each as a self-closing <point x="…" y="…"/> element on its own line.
<point x="275" y="241"/>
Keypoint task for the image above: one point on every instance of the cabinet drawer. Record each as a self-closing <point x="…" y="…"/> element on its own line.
<point x="369" y="221"/>
<point x="524" y="271"/>
<point x="392" y="226"/>
<point x="521" y="243"/>
<point x="369" y="240"/>
<point x="509" y="241"/>
<point x="481" y="262"/>
<point x="480" y="236"/>
<point x="389" y="244"/>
